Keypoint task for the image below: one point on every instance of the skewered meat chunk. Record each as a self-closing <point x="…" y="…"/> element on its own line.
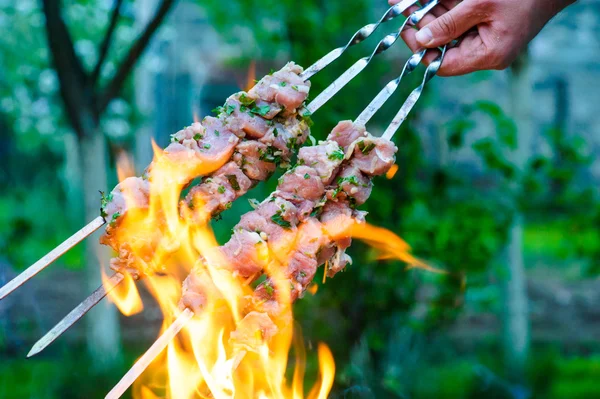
<point x="322" y="158"/>
<point x="253" y="331"/>
<point x="249" y="156"/>
<point x="284" y="87"/>
<point x="245" y="254"/>
<point x="346" y="132"/>
<point x="352" y="184"/>
<point x="374" y="155"/>
<point x="302" y="183"/>
<point x="243" y="119"/>
<point x="131" y="192"/>
<point x="216" y="193"/>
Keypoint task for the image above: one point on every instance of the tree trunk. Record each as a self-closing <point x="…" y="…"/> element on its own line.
<point x="515" y="318"/>
<point x="72" y="179"/>
<point x="103" y="333"/>
<point x="144" y="96"/>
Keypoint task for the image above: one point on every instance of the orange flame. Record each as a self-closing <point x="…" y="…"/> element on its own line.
<point x="250" y="76"/>
<point x="392" y="172"/>
<point x="222" y="352"/>
<point x="125" y="295"/>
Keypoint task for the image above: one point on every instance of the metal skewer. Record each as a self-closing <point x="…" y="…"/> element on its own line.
<point x="76" y="314"/>
<point x="361" y="64"/>
<point x="51" y="256"/>
<point x="163" y="341"/>
<point x="95" y="224"/>
<point x="358" y="37"/>
<point x="147" y="358"/>
<point x="410" y="102"/>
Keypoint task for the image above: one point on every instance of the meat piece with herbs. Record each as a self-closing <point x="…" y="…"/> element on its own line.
<point x="284" y="87"/>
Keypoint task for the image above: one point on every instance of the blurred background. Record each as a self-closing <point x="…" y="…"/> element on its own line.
<point x="497" y="184"/>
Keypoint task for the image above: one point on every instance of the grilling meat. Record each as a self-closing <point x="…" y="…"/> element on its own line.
<point x="294" y="243"/>
<point x="253" y="133"/>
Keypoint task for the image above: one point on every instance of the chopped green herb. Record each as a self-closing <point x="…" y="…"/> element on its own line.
<point x="302" y="274"/>
<point x="282" y="84"/>
<point x="197" y="136"/>
<point x="293" y="144"/>
<point x="295" y="87"/>
<point x="262" y="110"/>
<point x="229" y="108"/>
<point x="269" y="155"/>
<point x="306" y="176"/>
<point x="206" y="146"/>
<point x="234" y="182"/>
<point x="173" y="138"/>
<point x="104" y="201"/>
<point x="276" y="218"/>
<point x="275" y="132"/>
<point x="217" y="133"/>
<point x="269" y="289"/>
<point x="221" y="189"/>
<point x="349" y="179"/>
<point x="337" y="154"/>
<point x="113" y="221"/>
<point x="272" y="71"/>
<point x="217" y="110"/>
<point x="245" y="100"/>
<point x="316" y="212"/>
<point x="365" y="149"/>
<point x="271" y="123"/>
<point x="306" y="117"/>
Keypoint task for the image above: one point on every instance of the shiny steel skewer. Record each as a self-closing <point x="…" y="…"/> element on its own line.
<point x="76" y="314"/>
<point x="358" y="37"/>
<point x="410" y="102"/>
<point x="148" y="357"/>
<point x="51" y="256"/>
<point x="362" y="63"/>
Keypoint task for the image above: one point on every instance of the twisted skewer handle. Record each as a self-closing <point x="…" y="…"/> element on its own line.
<point x="412" y="99"/>
<point x="358" y="37"/>
<point x="389" y="89"/>
<point x="387" y="42"/>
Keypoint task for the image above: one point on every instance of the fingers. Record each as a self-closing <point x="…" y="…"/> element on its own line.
<point x="451" y="24"/>
<point x="408" y="35"/>
<point x="471" y="55"/>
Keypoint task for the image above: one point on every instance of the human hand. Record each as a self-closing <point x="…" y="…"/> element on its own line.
<point x="498" y="30"/>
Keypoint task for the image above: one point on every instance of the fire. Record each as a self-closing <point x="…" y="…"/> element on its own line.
<point x="221" y="352"/>
<point x="392" y="172"/>
<point x="125" y="296"/>
<point x="235" y="346"/>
